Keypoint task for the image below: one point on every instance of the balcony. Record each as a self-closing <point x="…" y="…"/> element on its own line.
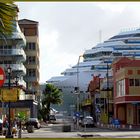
<point x="13" y="52"/>
<point x="29" y="97"/>
<point x="15" y="67"/>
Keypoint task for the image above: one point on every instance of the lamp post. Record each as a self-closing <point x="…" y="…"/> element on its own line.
<point x="107" y="76"/>
<point x="9" y="135"/>
<point x="78" y="91"/>
<point x="19" y="132"/>
<point x="99" y="97"/>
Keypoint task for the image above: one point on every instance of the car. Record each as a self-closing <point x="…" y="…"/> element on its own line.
<point x="87" y="121"/>
<point x="59" y="118"/>
<point x="34" y="122"/>
<point x="52" y="119"/>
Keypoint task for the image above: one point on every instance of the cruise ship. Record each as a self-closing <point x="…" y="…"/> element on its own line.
<point x="97" y="61"/>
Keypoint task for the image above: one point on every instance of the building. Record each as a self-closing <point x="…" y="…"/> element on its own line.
<point x="126" y="73"/>
<point x="30" y="31"/>
<point x="12" y="56"/>
<point x="21" y="52"/>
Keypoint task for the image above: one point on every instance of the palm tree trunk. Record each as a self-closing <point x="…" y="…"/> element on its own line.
<point x="48" y="113"/>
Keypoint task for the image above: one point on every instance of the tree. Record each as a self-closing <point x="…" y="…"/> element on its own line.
<point x="52" y="95"/>
<point x="8" y="14"/>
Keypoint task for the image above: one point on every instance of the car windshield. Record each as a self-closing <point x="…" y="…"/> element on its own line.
<point x="33" y="119"/>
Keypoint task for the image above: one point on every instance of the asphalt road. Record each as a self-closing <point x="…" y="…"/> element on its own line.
<point x="55" y="131"/>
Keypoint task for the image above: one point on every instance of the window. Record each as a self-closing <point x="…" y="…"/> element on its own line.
<point x="137" y="82"/>
<point x="31" y="72"/>
<point x="130" y="72"/>
<point x="131" y="82"/>
<point x="31" y="46"/>
<point x="31" y="59"/>
<point x="138" y="71"/>
<point x="30" y="31"/>
<point x="120" y="87"/>
<point x="134" y="82"/>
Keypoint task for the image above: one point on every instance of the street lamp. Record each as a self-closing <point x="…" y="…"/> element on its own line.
<point x="9" y="134"/>
<point x="78" y="90"/>
<point x="107" y="76"/>
<point x="19" y="133"/>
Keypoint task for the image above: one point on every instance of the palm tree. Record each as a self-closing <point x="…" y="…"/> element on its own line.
<point x="8" y="14"/>
<point x="52" y="95"/>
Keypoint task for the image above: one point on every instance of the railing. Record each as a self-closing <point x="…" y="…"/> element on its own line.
<point x="29" y="97"/>
<point x="11" y="52"/>
<point x="17" y="67"/>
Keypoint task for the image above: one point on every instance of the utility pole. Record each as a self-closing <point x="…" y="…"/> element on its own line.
<point x="78" y="91"/>
<point x="9" y="134"/>
<point x="107" y="76"/>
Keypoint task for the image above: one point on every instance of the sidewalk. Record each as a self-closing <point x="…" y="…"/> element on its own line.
<point x="119" y="127"/>
<point x="1" y="137"/>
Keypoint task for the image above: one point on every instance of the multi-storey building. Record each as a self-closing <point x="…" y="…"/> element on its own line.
<point x="126" y="73"/>
<point x="30" y="31"/>
<point x="12" y="56"/>
<point x="21" y="52"/>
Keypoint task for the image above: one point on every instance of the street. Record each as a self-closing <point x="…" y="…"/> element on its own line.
<point x="55" y="131"/>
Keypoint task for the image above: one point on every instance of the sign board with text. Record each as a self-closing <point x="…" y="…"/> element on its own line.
<point x="9" y="95"/>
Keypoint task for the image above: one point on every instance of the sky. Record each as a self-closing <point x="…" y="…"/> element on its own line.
<point x="67" y="29"/>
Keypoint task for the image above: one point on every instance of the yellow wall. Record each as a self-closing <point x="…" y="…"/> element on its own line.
<point x="123" y="73"/>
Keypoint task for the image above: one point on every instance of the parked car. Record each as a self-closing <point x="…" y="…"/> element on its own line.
<point x="52" y="118"/>
<point x="87" y="121"/>
<point x="32" y="121"/>
<point x="59" y="118"/>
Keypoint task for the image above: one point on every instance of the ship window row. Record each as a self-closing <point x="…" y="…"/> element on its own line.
<point x="132" y="41"/>
<point x="127" y="35"/>
<point x="131" y="54"/>
<point x="117" y="54"/>
<point x="81" y="66"/>
<point x="97" y="54"/>
<point x="130" y="48"/>
<point x="100" y="67"/>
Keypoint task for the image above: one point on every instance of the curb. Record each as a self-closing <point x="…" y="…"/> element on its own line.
<point x="88" y="135"/>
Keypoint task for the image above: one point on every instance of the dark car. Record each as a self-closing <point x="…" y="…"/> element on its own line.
<point x="32" y="121"/>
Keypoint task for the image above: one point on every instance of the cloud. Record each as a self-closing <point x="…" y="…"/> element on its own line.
<point x="66" y="29"/>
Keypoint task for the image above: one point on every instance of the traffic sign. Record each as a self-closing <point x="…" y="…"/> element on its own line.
<point x="77" y="114"/>
<point x="2" y="76"/>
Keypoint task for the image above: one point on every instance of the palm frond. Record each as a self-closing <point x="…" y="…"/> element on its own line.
<point x="8" y="14"/>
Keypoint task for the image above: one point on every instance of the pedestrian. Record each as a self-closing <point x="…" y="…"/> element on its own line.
<point x="5" y="126"/>
<point x="14" y="127"/>
<point x="74" y="121"/>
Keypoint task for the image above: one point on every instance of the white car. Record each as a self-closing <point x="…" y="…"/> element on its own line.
<point x="87" y="121"/>
<point x="59" y="118"/>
